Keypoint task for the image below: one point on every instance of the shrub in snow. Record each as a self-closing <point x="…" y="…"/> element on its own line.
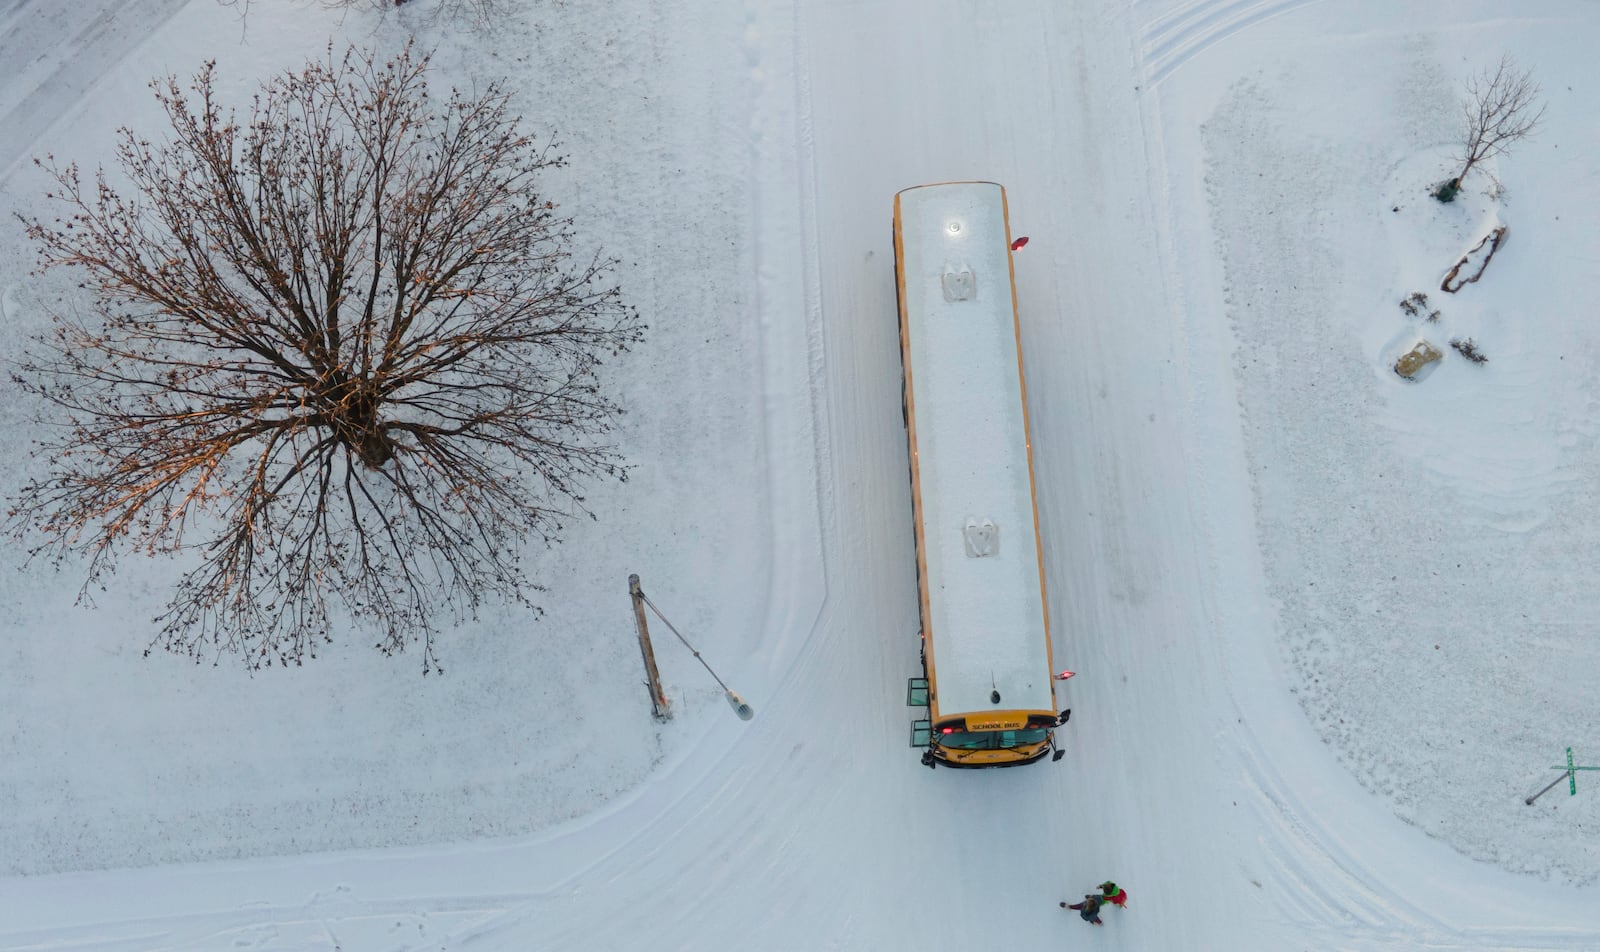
<point x="1414" y="304"/>
<point x="1468" y="348"/>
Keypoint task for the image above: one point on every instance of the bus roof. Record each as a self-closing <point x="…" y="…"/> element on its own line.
<point x="986" y="619"/>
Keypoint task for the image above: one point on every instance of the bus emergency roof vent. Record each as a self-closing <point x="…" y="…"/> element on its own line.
<point x="982" y="537"/>
<point x="960" y="284"/>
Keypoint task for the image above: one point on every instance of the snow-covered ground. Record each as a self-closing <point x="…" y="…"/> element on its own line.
<point x="1330" y="627"/>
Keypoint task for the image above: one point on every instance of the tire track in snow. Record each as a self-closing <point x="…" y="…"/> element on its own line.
<point x="1329" y="892"/>
<point x="795" y="441"/>
<point x="58" y="52"/>
<point x="1171" y="40"/>
<point x="1328" y="889"/>
<point x="323" y="923"/>
<point x="782" y="154"/>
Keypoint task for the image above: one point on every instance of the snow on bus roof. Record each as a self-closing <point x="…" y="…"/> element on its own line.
<point x="986" y="622"/>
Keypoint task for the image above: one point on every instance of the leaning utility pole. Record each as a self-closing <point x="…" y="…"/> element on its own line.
<point x="640" y="602"/>
<point x="658" y="697"/>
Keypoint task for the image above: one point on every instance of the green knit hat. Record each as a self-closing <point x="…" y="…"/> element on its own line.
<point x="1109" y="886"/>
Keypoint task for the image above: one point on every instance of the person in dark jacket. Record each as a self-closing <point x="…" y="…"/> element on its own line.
<point x="1088" y="910"/>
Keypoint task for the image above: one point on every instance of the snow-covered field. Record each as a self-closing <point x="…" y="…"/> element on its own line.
<point x="1330" y="627"/>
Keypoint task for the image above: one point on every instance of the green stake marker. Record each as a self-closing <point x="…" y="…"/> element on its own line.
<point x="1572" y="775"/>
<point x="1571" y="771"/>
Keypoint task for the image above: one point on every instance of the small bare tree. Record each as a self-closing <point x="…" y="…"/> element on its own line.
<point x="340" y="351"/>
<point x="1501" y="108"/>
<point x="479" y="12"/>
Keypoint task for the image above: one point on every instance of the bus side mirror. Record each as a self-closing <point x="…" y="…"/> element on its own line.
<point x="1066" y="716"/>
<point x="1057" y="755"/>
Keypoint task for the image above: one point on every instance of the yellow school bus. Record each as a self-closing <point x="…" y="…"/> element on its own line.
<point x="987" y="680"/>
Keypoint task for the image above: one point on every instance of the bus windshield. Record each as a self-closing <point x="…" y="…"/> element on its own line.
<point x="991" y="740"/>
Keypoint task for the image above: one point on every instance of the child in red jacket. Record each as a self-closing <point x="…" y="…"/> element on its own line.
<point x="1114" y="894"/>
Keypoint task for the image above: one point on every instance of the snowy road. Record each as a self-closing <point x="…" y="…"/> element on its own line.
<point x="1192" y="775"/>
<point x="1173" y="775"/>
<point x="62" y="51"/>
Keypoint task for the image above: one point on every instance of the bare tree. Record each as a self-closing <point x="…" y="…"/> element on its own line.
<point x="340" y="351"/>
<point x="477" y="12"/>
<point x="1501" y="108"/>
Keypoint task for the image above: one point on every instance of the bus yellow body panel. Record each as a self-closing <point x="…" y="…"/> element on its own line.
<point x="967" y="434"/>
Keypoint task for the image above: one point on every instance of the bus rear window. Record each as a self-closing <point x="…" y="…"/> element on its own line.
<point x="991" y="740"/>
